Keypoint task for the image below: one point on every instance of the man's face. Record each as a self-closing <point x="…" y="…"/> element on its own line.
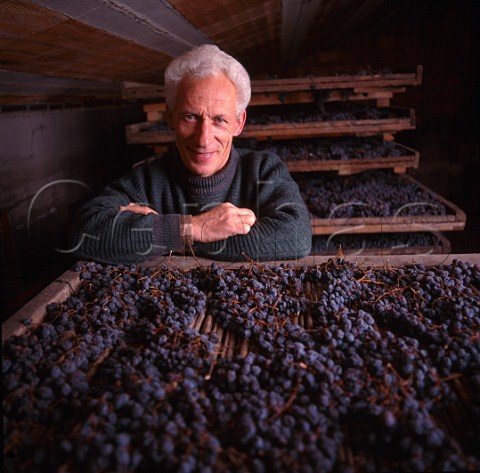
<point x="205" y="122"/>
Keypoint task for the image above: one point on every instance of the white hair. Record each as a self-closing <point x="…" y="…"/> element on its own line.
<point x="205" y="61"/>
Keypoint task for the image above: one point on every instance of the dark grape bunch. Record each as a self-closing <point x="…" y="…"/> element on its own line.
<point x="332" y="368"/>
<point x="344" y="149"/>
<point x="359" y="242"/>
<point x="369" y="194"/>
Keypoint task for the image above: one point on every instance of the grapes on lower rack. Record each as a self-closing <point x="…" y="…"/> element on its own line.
<point x="369" y="194"/>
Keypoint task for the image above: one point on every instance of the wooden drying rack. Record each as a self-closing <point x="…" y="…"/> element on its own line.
<point x="399" y="164"/>
<point x="145" y="132"/>
<point x="69" y="282"/>
<point x="452" y="221"/>
<point x="380" y="87"/>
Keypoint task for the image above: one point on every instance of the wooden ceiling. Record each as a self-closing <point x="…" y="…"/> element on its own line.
<point x="66" y="51"/>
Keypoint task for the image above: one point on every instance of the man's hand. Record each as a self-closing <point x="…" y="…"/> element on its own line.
<point x="222" y="222"/>
<point x="137" y="208"/>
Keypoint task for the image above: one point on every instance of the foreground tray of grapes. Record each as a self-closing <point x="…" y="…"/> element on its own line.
<point x="347" y="155"/>
<point x="331" y="367"/>
<point x="374" y="202"/>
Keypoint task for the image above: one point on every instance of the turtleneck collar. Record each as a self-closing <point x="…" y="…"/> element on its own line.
<point x="199" y="185"/>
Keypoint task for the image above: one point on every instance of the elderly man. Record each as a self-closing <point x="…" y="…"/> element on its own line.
<point x="206" y="197"/>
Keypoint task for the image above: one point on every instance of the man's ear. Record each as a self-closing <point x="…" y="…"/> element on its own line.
<point x="240" y="123"/>
<point x="169" y="117"/>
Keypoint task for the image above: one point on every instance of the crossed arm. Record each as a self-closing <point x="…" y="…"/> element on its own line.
<point x="118" y="226"/>
<point x="216" y="224"/>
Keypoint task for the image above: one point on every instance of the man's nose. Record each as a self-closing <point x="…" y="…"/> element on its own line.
<point x="204" y="133"/>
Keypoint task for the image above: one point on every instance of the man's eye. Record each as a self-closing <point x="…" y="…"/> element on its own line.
<point x="219" y="120"/>
<point x="189" y="117"/>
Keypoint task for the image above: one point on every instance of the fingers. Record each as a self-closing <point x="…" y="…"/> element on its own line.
<point x="221" y="222"/>
<point x="242" y="218"/>
<point x="137" y="208"/>
<point x="246" y="222"/>
<point x="247" y="218"/>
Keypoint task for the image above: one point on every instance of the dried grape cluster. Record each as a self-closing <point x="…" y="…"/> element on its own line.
<point x="326" y="112"/>
<point x="325" y="368"/>
<point x="358" y="242"/>
<point x="369" y="194"/>
<point x="332" y="149"/>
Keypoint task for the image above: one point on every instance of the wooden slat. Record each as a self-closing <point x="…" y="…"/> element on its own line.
<point x="141" y="133"/>
<point x="35" y="310"/>
<point x="38" y="40"/>
<point x="20" y="19"/>
<point x="136" y="90"/>
<point x="322" y="229"/>
<point x="155" y="108"/>
<point x="246" y="29"/>
<point x="155" y="112"/>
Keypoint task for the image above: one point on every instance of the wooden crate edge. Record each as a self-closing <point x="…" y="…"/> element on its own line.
<point x="35" y="309"/>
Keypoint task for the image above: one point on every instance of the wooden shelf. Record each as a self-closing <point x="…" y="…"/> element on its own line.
<point x="146" y="132"/>
<point x="360" y="84"/>
<point x="357" y="82"/>
<point x="359" y="127"/>
<point x="382" y="97"/>
<point x="399" y="164"/>
<point x="452" y="221"/>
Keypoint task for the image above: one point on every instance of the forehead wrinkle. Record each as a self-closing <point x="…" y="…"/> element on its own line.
<point x="199" y="94"/>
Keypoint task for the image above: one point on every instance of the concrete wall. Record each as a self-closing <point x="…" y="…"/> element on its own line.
<point x="49" y="161"/>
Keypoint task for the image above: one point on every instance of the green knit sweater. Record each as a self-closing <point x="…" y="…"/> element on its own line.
<point x="259" y="181"/>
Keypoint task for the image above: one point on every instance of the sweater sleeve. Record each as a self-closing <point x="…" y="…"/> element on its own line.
<point x="283" y="229"/>
<point x="101" y="232"/>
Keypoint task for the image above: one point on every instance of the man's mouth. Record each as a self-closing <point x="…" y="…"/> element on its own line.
<point x="202" y="154"/>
